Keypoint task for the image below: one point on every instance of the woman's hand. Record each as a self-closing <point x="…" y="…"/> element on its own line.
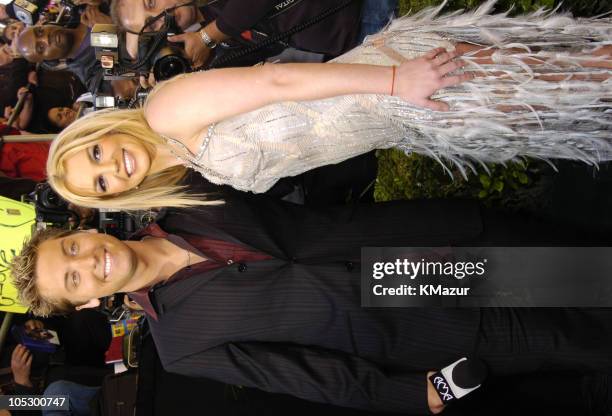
<point x="184" y="106"/>
<point x="418" y="79"/>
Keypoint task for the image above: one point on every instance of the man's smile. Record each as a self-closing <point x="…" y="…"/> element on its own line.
<point x="108" y="264"/>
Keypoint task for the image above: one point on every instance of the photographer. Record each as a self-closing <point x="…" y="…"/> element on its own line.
<point x="12" y="30"/>
<point x="228" y="19"/>
<point x="50" y="44"/>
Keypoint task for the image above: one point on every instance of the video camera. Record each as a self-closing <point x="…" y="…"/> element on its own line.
<point x="52" y="209"/>
<point x="69" y="14"/>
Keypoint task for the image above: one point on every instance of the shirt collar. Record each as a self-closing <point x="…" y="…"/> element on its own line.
<point x="142" y="296"/>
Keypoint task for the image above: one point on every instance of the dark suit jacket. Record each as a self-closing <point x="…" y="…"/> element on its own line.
<point x="293" y="324"/>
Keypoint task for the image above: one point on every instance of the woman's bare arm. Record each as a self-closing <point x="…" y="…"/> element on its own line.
<point x="183" y="107"/>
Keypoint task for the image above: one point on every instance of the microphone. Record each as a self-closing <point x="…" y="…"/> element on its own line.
<point x="458" y="379"/>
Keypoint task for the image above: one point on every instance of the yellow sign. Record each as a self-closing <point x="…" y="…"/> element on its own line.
<point x="16" y="222"/>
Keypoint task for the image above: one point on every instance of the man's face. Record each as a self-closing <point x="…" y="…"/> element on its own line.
<point x="135" y="13"/>
<point x="13" y="30"/>
<point x="45" y="43"/>
<point x="3" y="14"/>
<point x="84" y="266"/>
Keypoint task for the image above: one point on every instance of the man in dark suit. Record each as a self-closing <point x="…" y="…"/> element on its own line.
<point x="265" y="294"/>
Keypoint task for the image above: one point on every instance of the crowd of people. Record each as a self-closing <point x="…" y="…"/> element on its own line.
<point x="251" y="274"/>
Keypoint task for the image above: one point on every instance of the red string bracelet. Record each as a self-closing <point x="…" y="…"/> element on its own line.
<point x="393" y="80"/>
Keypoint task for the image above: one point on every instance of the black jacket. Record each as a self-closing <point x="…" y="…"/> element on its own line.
<point x="293" y="324"/>
<point x="332" y="36"/>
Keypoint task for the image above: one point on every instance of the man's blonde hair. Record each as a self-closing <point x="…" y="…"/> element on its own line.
<point x="23" y="271"/>
<point x="160" y="189"/>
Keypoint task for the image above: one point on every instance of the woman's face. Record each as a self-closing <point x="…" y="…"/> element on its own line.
<point x="111" y="165"/>
<point x="61" y="116"/>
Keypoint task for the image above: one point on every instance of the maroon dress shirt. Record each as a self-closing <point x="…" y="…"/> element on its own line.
<point x="217" y="253"/>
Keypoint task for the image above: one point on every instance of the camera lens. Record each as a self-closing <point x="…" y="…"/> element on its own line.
<point x="47" y="197"/>
<point x="168" y="63"/>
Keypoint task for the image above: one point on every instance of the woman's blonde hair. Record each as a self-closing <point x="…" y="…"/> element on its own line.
<point x="160" y="189"/>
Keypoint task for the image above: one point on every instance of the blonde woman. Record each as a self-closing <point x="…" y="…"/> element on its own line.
<point x="536" y="85"/>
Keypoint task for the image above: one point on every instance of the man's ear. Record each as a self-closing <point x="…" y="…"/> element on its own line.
<point x="91" y="231"/>
<point x="93" y="303"/>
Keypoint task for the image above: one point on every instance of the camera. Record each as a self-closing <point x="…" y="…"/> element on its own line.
<point x="26" y="11"/>
<point x="69" y="14"/>
<point x="54" y="210"/>
<point x="155" y="53"/>
<point x="49" y="206"/>
<point x="63" y="12"/>
<point x="122" y="224"/>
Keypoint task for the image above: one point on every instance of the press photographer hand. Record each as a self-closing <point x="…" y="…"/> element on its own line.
<point x="418" y="79"/>
<point x="195" y="49"/>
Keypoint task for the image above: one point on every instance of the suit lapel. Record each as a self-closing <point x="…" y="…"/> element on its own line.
<point x="166" y="297"/>
<point x="215" y="223"/>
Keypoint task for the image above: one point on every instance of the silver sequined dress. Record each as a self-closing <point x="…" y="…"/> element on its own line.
<point x="492" y="119"/>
